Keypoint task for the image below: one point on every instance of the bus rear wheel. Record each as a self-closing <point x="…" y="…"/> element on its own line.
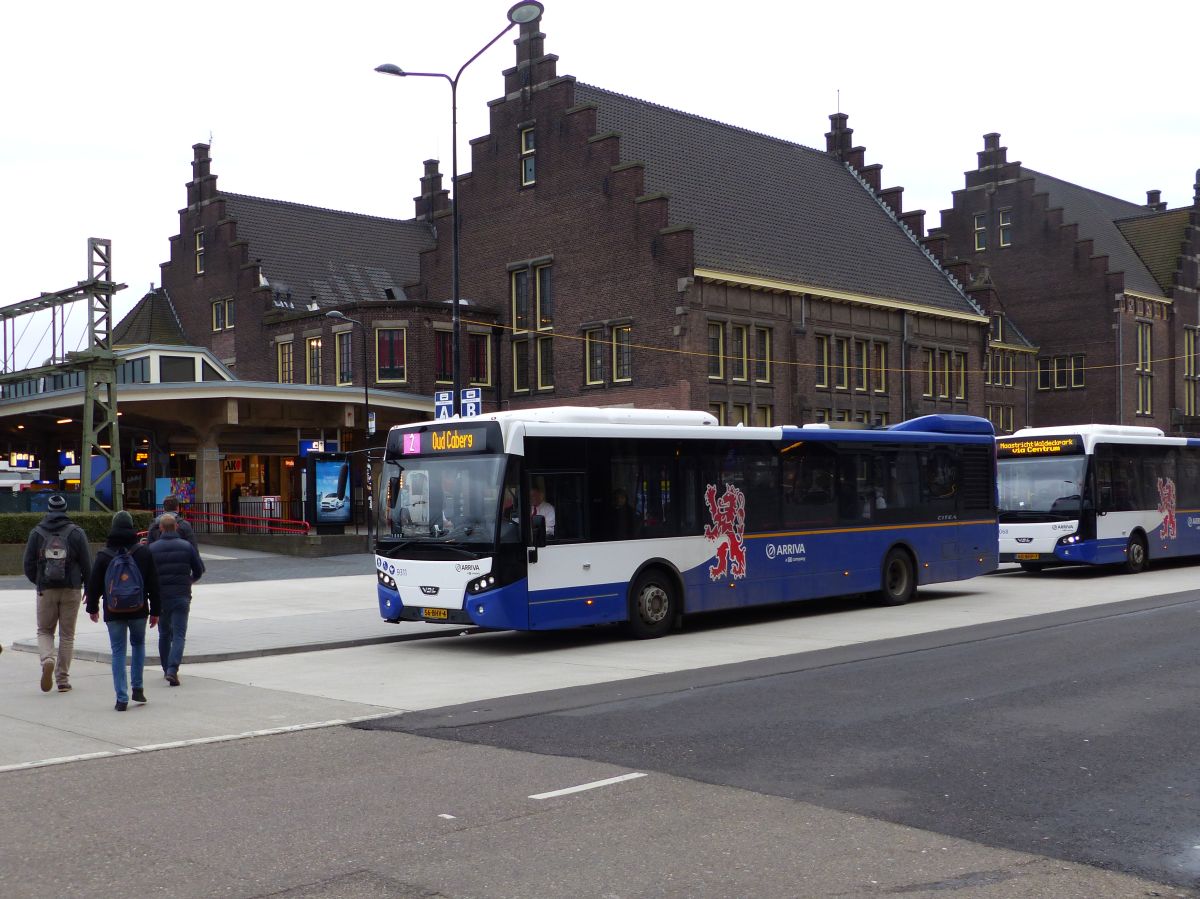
<point x="898" y="582"/>
<point x="1136" y="555"/>
<point x="653" y="604"/>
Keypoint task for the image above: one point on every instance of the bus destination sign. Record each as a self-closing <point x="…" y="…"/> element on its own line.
<point x="443" y="441"/>
<point x="1040" y="446"/>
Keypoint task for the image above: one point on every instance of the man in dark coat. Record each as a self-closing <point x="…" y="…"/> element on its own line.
<point x="179" y="567"/>
<point x="58" y="589"/>
<point x="171" y="505"/>
<point x="129" y="626"/>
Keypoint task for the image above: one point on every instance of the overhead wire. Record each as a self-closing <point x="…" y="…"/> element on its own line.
<point x="751" y="360"/>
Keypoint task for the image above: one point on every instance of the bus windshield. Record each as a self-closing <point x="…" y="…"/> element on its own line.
<point x="1051" y="488"/>
<point x="453" y="500"/>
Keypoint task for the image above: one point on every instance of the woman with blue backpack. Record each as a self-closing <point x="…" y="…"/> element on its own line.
<point x="124" y="577"/>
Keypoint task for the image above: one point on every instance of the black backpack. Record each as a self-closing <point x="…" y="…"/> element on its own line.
<point x="55" y="555"/>
<point x="123" y="585"/>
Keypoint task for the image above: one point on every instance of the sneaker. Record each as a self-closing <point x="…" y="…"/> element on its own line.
<point x="47" y="675"/>
<point x="138" y="695"/>
<point x="121" y="706"/>
<point x="64" y="688"/>
<point x="173" y="679"/>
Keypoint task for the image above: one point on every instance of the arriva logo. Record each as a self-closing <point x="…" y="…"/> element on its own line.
<point x="784" y="549"/>
<point x="469" y="567"/>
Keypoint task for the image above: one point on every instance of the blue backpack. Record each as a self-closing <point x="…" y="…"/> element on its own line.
<point x="123" y="588"/>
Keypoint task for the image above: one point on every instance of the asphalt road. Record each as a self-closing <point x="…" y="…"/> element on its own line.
<point x="1070" y="735"/>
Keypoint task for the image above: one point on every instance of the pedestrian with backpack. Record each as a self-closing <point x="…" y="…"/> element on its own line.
<point x="170" y="506"/>
<point x="57" y="561"/>
<point x="179" y="566"/>
<point x="125" y="579"/>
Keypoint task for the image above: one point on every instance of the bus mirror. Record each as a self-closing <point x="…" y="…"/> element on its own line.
<point x="537" y="526"/>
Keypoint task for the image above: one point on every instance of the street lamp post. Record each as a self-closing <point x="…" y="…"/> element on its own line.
<point x="341" y="316"/>
<point x="518" y="14"/>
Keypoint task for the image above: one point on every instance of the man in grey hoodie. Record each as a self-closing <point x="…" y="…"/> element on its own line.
<point x="57" y="562"/>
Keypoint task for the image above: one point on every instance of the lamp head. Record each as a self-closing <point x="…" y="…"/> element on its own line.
<point x="389" y="68"/>
<point x="335" y="313"/>
<point x="526" y="11"/>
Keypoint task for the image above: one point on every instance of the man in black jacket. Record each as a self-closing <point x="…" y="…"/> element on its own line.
<point x="179" y="567"/>
<point x="171" y="505"/>
<point x="59" y="582"/>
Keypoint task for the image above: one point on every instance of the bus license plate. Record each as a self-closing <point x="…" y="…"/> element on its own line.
<point x="1028" y="557"/>
<point x="435" y="613"/>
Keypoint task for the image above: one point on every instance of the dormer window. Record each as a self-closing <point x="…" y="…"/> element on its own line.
<point x="528" y="162"/>
<point x="998" y="327"/>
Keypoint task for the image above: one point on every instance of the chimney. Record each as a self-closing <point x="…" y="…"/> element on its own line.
<point x="838" y="138"/>
<point x="434" y="198"/>
<point x="203" y="186"/>
<point x="534" y="65"/>
<point x="1154" y="202"/>
<point x="992" y="154"/>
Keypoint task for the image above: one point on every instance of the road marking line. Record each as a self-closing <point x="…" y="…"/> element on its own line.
<point x="589" y="786"/>
<point x="195" y="741"/>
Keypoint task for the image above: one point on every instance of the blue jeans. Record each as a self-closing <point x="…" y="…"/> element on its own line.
<point x="133" y="629"/>
<point x="172" y="631"/>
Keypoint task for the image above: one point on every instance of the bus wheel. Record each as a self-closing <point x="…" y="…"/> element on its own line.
<point x="652" y="605"/>
<point x="1136" y="556"/>
<point x="1033" y="567"/>
<point x="899" y="582"/>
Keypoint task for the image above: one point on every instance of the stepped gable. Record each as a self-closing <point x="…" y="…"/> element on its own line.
<point x="768" y="208"/>
<point x="1096" y="214"/>
<point x="338" y="257"/>
<point x="152" y="321"/>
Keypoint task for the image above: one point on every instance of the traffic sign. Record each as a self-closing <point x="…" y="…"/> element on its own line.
<point x="472" y="401"/>
<point x="443" y="404"/>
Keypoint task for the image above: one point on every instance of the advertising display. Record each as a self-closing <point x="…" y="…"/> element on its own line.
<point x="329" y="500"/>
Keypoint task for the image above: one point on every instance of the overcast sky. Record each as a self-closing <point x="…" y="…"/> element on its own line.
<point x="102" y="102"/>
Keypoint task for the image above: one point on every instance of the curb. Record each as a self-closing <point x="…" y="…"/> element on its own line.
<point x="92" y="655"/>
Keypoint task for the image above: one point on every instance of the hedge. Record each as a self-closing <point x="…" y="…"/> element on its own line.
<point x="15" y="527"/>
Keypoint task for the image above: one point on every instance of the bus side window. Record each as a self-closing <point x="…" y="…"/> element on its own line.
<point x="567" y="493"/>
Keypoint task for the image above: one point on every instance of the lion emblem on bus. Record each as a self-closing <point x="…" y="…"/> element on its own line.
<point x="1166" y="508"/>
<point x="728" y="514"/>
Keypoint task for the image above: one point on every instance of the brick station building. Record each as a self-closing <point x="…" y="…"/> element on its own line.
<point x="1107" y="289"/>
<point x="613" y="251"/>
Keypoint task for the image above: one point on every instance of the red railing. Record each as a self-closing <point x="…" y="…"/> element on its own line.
<point x="223" y="522"/>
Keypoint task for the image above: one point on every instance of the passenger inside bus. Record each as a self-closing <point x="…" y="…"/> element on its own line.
<point x="622" y="522"/>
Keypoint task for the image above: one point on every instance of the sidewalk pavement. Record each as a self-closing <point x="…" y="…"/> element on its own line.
<point x="309" y="604"/>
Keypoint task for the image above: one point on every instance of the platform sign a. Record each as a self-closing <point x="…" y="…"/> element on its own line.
<point x="443" y="404"/>
<point x="472" y="401"/>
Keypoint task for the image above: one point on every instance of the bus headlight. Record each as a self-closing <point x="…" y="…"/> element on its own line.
<point x="1069" y="540"/>
<point x="487" y="582"/>
<point x="387" y="580"/>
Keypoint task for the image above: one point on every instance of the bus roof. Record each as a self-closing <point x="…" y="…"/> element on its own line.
<point x="585" y="421"/>
<point x="1092" y="430"/>
<point x="611" y="415"/>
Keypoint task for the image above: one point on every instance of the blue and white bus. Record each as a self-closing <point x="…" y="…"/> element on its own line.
<point x="643" y="516"/>
<point x="1097" y="495"/>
